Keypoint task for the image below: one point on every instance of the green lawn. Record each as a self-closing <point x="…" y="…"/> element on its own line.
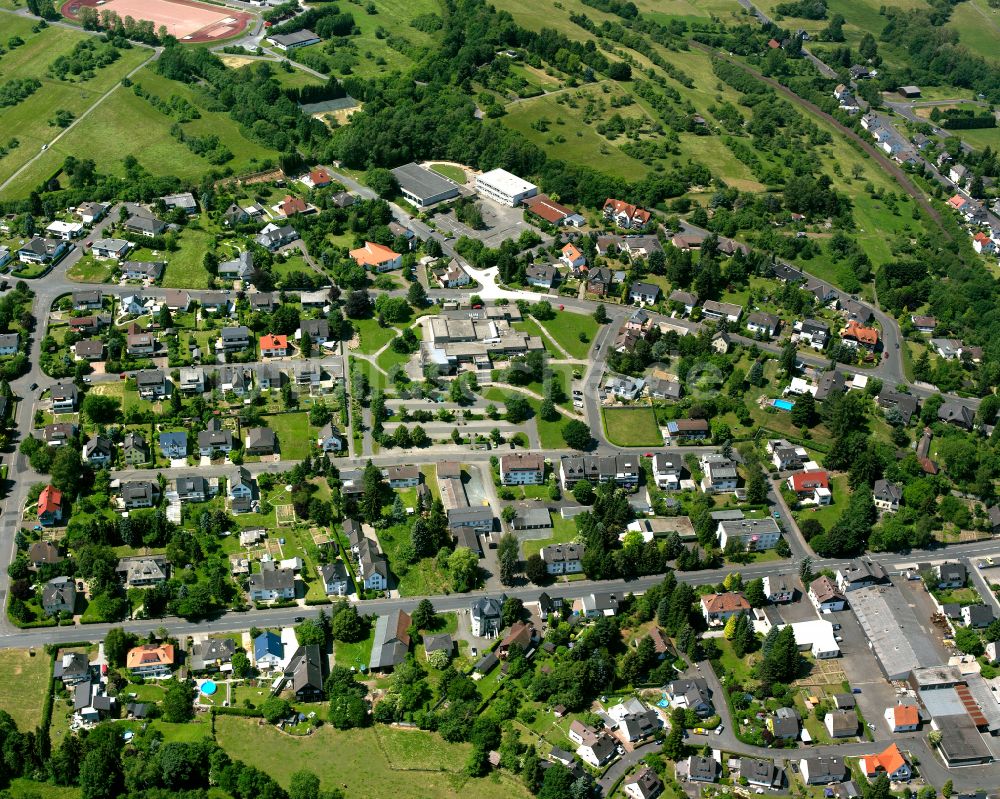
<point x="415" y="579"/>
<point x="632" y="427"/>
<point x="829" y="514"/>
<point x="356" y="655"/>
<point x="124" y="125"/>
<point x="294" y="434"/>
<point x="390" y="359"/>
<point x="30" y="675"/>
<point x="978" y="27"/>
<point x="89" y="270"/>
<point x="563" y="531"/>
<point x="29" y="789"/>
<point x="185" y="267"/>
<point x="374" y="761"/>
<point x="372" y="336"/>
<point x="453" y="173"/>
<point x="566" y="329"/>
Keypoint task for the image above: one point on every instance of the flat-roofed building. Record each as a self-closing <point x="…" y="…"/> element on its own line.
<point x="504" y="188"/>
<point x="422" y="187"/>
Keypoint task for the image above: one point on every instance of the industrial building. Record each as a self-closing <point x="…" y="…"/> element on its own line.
<point x="894" y="635"/>
<point x="504" y="188"/>
<point x="422" y="187"/>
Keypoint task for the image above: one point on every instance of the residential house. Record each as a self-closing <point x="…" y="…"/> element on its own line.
<point x="240" y="484"/>
<point x="268" y="651"/>
<point x="89" y="349"/>
<point x="58" y="433"/>
<point x="59" y="596"/>
<point x="64" y="397"/>
<point x="520" y="634"/>
<point x="98" y="451"/>
<point x="135" y="450"/>
<point x="563" y="558"/>
<point x="50" y="506"/>
<point x="594" y="748"/>
<point x="90" y="300"/>
<point x="543" y="276"/>
<point x="977" y="616"/>
<point x="572" y="257"/>
<point x="304" y="673"/>
<point x="212" y="654"/>
<point x="691" y="694"/>
<point x="625" y="215"/>
<point x="951" y="575"/>
<point x="684" y="298"/>
<point x="43" y="553"/>
<point x="841" y="723"/>
<point x="814" y="333"/>
<point x="718" y="608"/>
<point x="336" y="581"/>
<point x="273" y="237"/>
<point x="599" y="281"/>
<point x="331" y="440"/>
<point x="173" y="445"/>
<point x="376" y="257"/>
<point x="291" y="205"/>
<point x="372" y="566"/>
<point x="271" y="583"/>
<point x="763" y="324"/>
<point x="641" y="246"/>
<point x="903" y="718"/>
<point x="906" y="405"/>
<point x="812" y="485"/>
<point x="686" y="429"/>
<point x="826" y="596"/>
<point x="644" y="784"/>
<point x="403" y="476"/>
<point x="754" y="535"/>
<point x="700" y="768"/>
<point x="261" y="441"/>
<point x="860" y="574"/>
<point x="148" y="226"/>
<point x="667" y="470"/>
<point x="643" y="293"/>
<point x="214" y="440"/>
<point x="552" y="212"/>
<point x="193" y="489"/>
<point x="42" y="251"/>
<point x="785" y="723"/>
<point x="110" y="248"/>
<point x="150" y="660"/>
<point x="140" y="344"/>
<point x="856" y="335"/>
<point x="90" y="213"/>
<point x="485" y="614"/>
<point x="238" y="268"/>
<point x="191" y="380"/>
<point x="784" y="456"/>
<point x="318" y="330"/>
<point x="720" y="472"/>
<point x="232" y="339"/>
<point x="522" y="469"/>
<point x="264" y="301"/>
<point x="778" y="588"/>
<point x="731" y="312"/>
<point x="392" y="641"/>
<point x="957" y="414"/>
<point x="177" y="300"/>
<point x="142" y="571"/>
<point x="184" y="201"/>
<point x="138" y="494"/>
<point x="151" y="383"/>
<point x="822" y="770"/>
<point x="761" y="773"/>
<point x="889" y="762"/>
<point x="451" y="276"/>
<point x="71" y="668"/>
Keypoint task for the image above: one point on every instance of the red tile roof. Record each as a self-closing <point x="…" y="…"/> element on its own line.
<point x="864" y="335"/>
<point x="806" y="481"/>
<point x="905" y="716"/>
<point x="319" y="177"/>
<point x="270" y="342"/>
<point x="631" y="211"/>
<point x="888" y="761"/>
<point x="724" y="603"/>
<point x="548" y="209"/>
<point x="293" y="205"/>
<point x="50" y="500"/>
<point x="373" y="254"/>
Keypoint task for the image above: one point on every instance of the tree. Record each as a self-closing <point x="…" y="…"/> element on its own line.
<point x="518" y="409"/>
<point x="306" y="344"/>
<point x="508" y="558"/>
<point x="755" y="593"/>
<point x="416" y="295"/>
<point x="304" y="785"/>
<point x="463" y="565"/>
<point x="673" y="746"/>
<point x="66" y="470"/>
<point x="382" y="182"/>
<point x="358" y="305"/>
<point x="576" y="434"/>
<point x="117" y="643"/>
<point x="512" y="610"/>
<point x="101" y="408"/>
<point x="803" y="412"/>
<point x="424" y="617"/>
<point x="274" y="709"/>
<point x="601" y="314"/>
<point x="536" y="570"/>
<point x="347" y="625"/>
<point x="583" y="492"/>
<point x="178" y="702"/>
<point x="370" y="504"/>
<point x="756" y="486"/>
<point x="241" y="664"/>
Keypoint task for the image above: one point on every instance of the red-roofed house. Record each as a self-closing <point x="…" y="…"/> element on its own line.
<point x="860" y="336"/>
<point x="804" y="483"/>
<point x="774" y="44"/>
<point x="983" y="244"/>
<point x="544" y="207"/>
<point x="291" y="206"/>
<point x="890" y="762"/>
<point x="572" y="257"/>
<point x="273" y="346"/>
<point x="377" y="257"/>
<point x="717" y="608"/>
<point x="625" y="215"/>
<point x="903" y="718"/>
<point x="50" y="507"/>
<point x="957" y="202"/>
<point x="319" y="178"/>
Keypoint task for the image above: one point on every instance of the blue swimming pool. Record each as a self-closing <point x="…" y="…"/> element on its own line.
<point x="783" y="404"/>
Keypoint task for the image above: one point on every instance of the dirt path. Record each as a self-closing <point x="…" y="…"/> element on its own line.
<point x="881" y="159"/>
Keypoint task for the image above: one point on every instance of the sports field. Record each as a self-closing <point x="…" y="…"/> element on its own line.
<point x="184" y="19"/>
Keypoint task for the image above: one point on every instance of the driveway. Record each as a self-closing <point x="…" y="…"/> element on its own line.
<point x="624" y="764"/>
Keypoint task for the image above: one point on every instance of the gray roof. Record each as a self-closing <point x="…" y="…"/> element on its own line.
<point x="305" y="670"/>
<point x="391" y="640"/>
<point x="261" y="438"/>
<point x="59" y="591"/>
<point x="893" y="631"/>
<point x="293" y="38"/>
<point x="272" y="579"/>
<point x="421" y="182"/>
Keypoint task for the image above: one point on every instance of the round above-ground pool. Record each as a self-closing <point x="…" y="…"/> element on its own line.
<point x="208" y="687"/>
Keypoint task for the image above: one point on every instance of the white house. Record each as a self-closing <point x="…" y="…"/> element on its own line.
<point x="563" y="558"/>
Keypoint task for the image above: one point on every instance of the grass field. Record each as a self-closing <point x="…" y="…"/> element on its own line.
<point x="453" y="173"/>
<point x="293" y="432"/>
<point x="29" y="675"/>
<point x="390" y="359"/>
<point x="28" y="789"/>
<point x="356" y="655"/>
<point x="185" y="268"/>
<point x="128" y="125"/>
<point x="376" y="761"/>
<point x="28" y="121"/>
<point x="563" y="531"/>
<point x="632" y="427"/>
<point x="566" y="328"/>
<point x="372" y="336"/>
<point x="89" y="270"/>
<point x="978" y="28"/>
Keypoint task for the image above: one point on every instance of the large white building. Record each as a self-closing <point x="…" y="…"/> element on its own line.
<point x="504" y="188"/>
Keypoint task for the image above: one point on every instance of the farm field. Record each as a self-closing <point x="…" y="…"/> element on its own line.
<point x="632" y="427"/>
<point x="30" y="674"/>
<point x="28" y="121"/>
<point x="126" y="125"/>
<point x="375" y="761"/>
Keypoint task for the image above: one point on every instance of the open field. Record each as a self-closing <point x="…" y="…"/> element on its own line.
<point x="126" y="125"/>
<point x="185" y="268"/>
<point x="632" y="427"/>
<point x="29" y="674"/>
<point x="376" y="761"/>
<point x="453" y="173"/>
<point x="978" y="28"/>
<point x="566" y="328"/>
<point x="28" y="121"/>
<point x="293" y="432"/>
<point x="188" y="21"/>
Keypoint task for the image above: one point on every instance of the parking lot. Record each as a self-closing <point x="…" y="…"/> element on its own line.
<point x="502" y="223"/>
